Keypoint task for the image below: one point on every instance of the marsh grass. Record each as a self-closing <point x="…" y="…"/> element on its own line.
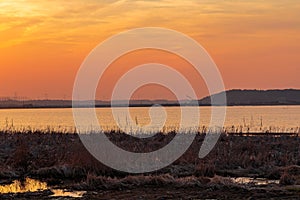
<point x="58" y="156"/>
<point x="244" y="128"/>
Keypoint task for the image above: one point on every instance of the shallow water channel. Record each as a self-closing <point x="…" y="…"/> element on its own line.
<point x="32" y="185"/>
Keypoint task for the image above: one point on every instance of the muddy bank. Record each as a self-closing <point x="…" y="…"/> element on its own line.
<point x="215" y="189"/>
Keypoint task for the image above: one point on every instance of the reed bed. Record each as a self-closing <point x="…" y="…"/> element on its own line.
<point x="60" y="156"/>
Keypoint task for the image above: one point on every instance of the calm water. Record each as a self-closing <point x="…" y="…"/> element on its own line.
<point x="276" y="118"/>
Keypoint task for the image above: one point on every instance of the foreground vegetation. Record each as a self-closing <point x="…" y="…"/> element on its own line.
<point x="60" y="159"/>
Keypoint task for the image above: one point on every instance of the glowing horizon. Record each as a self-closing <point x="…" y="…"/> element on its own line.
<point x="42" y="44"/>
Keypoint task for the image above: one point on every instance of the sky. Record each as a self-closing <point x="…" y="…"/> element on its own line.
<point x="255" y="44"/>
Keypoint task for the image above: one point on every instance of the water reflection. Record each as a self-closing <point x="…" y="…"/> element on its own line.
<point x="31" y="185"/>
<point x="275" y="119"/>
<point x="255" y="181"/>
<point x="65" y="193"/>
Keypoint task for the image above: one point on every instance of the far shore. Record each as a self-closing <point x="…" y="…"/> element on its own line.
<point x="235" y="97"/>
<point x="139" y="106"/>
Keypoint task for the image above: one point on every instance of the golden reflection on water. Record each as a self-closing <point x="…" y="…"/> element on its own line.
<point x="64" y="193"/>
<point x="30" y="185"/>
<point x="248" y="118"/>
<point x="255" y="181"/>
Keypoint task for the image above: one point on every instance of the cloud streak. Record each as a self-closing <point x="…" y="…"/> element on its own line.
<point x="35" y="20"/>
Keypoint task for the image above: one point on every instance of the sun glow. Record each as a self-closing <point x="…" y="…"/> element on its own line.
<point x="40" y="40"/>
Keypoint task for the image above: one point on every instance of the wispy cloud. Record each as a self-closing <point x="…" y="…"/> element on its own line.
<point x="78" y="21"/>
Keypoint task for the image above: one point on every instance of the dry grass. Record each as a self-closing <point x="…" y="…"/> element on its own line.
<point x="290" y="176"/>
<point x="57" y="157"/>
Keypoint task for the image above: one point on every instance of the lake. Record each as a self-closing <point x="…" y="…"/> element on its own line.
<point x="246" y="118"/>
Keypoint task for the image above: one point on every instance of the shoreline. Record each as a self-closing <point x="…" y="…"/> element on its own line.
<point x="147" y="106"/>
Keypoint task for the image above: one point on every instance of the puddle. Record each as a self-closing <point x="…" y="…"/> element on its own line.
<point x="66" y="193"/>
<point x="255" y="181"/>
<point x="31" y="185"/>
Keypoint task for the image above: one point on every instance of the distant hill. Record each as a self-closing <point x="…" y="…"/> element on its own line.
<point x="258" y="97"/>
<point x="234" y="98"/>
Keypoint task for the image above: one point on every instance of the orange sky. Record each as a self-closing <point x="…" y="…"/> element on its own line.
<point x="256" y="44"/>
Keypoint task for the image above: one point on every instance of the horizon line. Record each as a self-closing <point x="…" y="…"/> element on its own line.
<point x="24" y="98"/>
